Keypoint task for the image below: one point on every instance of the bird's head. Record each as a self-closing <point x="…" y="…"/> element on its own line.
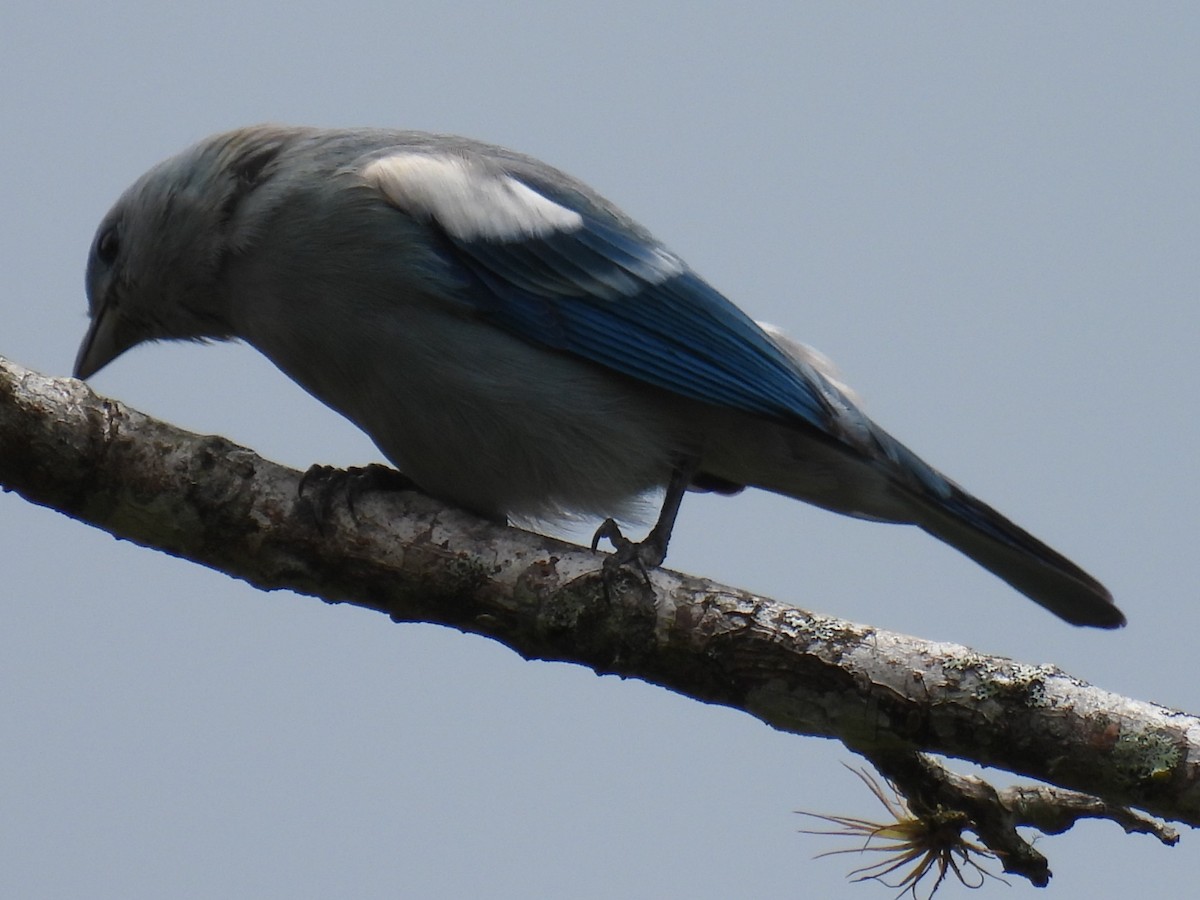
<point x="157" y="266"/>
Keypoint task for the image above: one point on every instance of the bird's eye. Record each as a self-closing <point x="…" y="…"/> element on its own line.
<point x="108" y="245"/>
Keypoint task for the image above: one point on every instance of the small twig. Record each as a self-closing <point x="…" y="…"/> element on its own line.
<point x="1052" y="811"/>
<point x="933" y="792"/>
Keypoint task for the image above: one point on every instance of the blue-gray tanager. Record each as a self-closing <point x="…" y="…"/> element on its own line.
<point x="512" y="341"/>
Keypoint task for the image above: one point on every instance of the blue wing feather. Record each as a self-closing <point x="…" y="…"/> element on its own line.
<point x="593" y="292"/>
<point x="624" y="302"/>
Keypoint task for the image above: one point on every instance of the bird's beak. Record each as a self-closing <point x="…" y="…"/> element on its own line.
<point x="106" y="339"/>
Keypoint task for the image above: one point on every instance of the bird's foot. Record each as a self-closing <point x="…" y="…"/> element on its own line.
<point x="641" y="555"/>
<point x="320" y="486"/>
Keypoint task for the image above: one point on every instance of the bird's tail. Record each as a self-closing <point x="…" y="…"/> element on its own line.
<point x="1040" y="573"/>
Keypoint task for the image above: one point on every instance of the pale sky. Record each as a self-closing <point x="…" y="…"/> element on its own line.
<point x="986" y="215"/>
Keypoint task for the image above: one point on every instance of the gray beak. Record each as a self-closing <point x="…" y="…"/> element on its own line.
<point x="106" y="339"/>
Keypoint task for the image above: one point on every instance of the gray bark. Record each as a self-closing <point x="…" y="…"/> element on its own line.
<point x="888" y="696"/>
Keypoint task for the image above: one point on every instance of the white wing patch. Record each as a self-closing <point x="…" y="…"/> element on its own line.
<point x="806" y="355"/>
<point x="468" y="201"/>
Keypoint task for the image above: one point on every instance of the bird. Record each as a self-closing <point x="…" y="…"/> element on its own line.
<point x="513" y="342"/>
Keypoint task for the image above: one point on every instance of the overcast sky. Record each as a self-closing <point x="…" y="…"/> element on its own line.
<point x="986" y="215"/>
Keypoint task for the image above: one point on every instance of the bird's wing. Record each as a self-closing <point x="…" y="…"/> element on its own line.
<point x="578" y="279"/>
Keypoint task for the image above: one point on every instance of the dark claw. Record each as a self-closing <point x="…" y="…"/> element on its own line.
<point x="650" y="553"/>
<point x="610" y="531"/>
<point x="375" y="477"/>
<point x="316" y="490"/>
<point x="647" y="554"/>
<point x="326" y="482"/>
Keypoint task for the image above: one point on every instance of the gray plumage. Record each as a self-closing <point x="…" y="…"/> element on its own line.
<point x="510" y="340"/>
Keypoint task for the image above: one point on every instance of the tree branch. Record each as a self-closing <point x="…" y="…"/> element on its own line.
<point x="886" y="695"/>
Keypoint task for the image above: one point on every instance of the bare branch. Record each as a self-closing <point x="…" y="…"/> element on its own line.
<point x="1053" y="811"/>
<point x="888" y="696"/>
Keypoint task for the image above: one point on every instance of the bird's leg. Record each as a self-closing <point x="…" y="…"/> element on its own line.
<point x="651" y="551"/>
